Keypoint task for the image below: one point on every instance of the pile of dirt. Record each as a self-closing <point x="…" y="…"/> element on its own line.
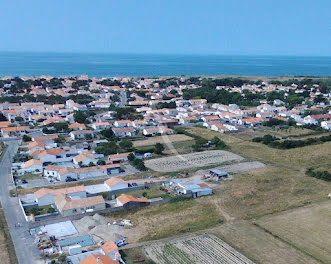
<point x="87" y="223"/>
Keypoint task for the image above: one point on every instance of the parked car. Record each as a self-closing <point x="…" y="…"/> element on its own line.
<point x="69" y="179"/>
<point x="24" y="181"/>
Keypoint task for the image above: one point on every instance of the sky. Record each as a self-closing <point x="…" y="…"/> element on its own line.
<point x="230" y="27"/>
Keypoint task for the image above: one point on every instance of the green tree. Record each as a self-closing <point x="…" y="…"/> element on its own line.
<point x="101" y="162"/>
<point x="80" y="117"/>
<point x="60" y="139"/>
<point x="131" y="157"/>
<point x="26" y="138"/>
<point x="126" y="145"/>
<point x="159" y="148"/>
<point x="107" y="148"/>
<point x="108" y="133"/>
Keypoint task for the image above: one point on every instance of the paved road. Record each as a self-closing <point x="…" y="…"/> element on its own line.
<point x="26" y="250"/>
<point x="123" y="99"/>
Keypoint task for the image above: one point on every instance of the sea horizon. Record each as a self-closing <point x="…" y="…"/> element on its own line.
<point x="19" y="63"/>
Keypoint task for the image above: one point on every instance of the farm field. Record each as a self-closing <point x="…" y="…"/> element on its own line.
<point x="192" y="160"/>
<point x="207" y="249"/>
<point x="259" y="245"/>
<point x="167" y="139"/>
<point x="307" y="228"/>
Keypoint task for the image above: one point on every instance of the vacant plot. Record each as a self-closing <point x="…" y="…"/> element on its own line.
<point x="207" y="249"/>
<point x="306" y="228"/>
<point x="170" y="219"/>
<point x="167" y="139"/>
<point x="193" y="160"/>
<point x="259" y="245"/>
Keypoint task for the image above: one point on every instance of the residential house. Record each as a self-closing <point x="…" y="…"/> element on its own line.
<point x="68" y="206"/>
<point x="326" y="124"/>
<point x="101" y="125"/>
<point x="123" y="123"/>
<point x="81" y="134"/>
<point x="98" y="259"/>
<point x="118" y="158"/>
<point x="124" y="132"/>
<point x="129" y="201"/>
<point x="14" y="131"/>
<point x="194" y="188"/>
<point x="152" y="131"/>
<point x="115" y="184"/>
<point x="32" y="166"/>
<point x="84" y="159"/>
<point x="45" y="196"/>
<point x="77" y="126"/>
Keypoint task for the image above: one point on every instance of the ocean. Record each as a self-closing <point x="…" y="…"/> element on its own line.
<point x="112" y="65"/>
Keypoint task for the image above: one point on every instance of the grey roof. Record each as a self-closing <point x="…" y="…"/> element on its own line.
<point x="218" y="172"/>
<point x="84" y="241"/>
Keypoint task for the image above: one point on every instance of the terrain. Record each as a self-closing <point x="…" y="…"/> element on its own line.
<point x="247" y="203"/>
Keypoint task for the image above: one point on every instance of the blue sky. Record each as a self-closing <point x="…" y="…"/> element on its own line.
<point x="249" y="27"/>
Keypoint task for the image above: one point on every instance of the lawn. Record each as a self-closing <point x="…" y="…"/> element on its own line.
<point x="29" y="176"/>
<point x="150" y="193"/>
<point x="307" y="228"/>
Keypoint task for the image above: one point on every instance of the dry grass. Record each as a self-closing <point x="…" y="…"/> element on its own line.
<point x="259" y="245"/>
<point x="306" y="228"/>
<point x="7" y="251"/>
<point x="161" y="139"/>
<point x="171" y="219"/>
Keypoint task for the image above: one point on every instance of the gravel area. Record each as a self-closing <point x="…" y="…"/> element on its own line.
<point x="101" y="228"/>
<point x="192" y="160"/>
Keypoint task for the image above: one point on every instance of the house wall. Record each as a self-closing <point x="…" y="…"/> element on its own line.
<point x="83" y="210"/>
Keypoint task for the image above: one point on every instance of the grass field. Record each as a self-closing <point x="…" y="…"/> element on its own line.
<point x="307" y="228"/>
<point x="150" y="193"/>
<point x="279" y="186"/>
<point x="171" y="219"/>
<point x="259" y="245"/>
<point x="167" y="139"/>
<point x="134" y="255"/>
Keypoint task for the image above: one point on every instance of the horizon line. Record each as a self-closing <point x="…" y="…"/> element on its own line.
<point x="163" y="54"/>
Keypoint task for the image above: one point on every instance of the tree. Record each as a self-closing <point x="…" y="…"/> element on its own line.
<point x="108" y="133"/>
<point x="26" y="138"/>
<point x="80" y="117"/>
<point x="88" y="136"/>
<point x="91" y="164"/>
<point x="50" y="210"/>
<point x="159" y="148"/>
<point x="19" y="118"/>
<point x="61" y="126"/>
<point x="2" y="117"/>
<point x="131" y="157"/>
<point x="101" y="162"/>
<point x="107" y="148"/>
<point x="60" y="139"/>
<point x="126" y="144"/>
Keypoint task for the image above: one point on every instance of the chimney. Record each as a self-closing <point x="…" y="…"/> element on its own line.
<point x="98" y="259"/>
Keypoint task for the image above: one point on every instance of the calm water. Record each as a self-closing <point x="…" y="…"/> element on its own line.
<point x="32" y="64"/>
